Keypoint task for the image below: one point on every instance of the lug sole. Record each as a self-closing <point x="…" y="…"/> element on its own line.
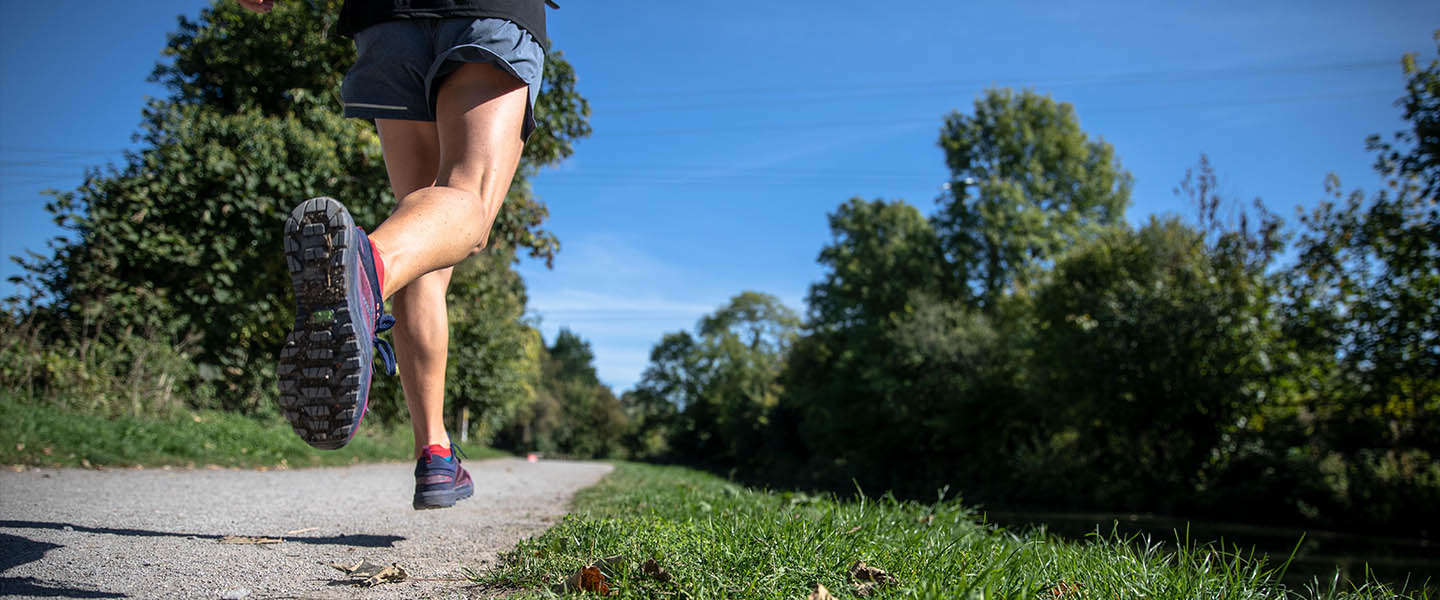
<point x="320" y="367"/>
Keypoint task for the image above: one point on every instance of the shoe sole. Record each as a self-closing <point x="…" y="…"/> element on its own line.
<point x="320" y="365"/>
<point x="442" y="499"/>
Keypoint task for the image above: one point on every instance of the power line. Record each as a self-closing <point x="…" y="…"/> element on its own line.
<point x="1088" y="110"/>
<point x="827" y="94"/>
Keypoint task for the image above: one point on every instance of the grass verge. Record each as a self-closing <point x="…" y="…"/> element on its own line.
<point x="714" y="539"/>
<point x="48" y="436"/>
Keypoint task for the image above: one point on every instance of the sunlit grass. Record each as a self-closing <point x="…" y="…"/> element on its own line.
<point x="45" y="435"/>
<point x="720" y="540"/>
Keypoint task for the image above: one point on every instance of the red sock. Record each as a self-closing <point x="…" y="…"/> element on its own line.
<point x="438" y="450"/>
<point x="380" y="275"/>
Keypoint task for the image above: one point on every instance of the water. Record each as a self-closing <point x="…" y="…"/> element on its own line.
<point x="1321" y="554"/>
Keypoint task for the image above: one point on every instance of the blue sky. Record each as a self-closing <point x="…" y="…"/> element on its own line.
<point x="725" y="131"/>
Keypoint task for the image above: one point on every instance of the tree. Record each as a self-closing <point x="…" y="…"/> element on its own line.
<point x="724" y="382"/>
<point x="1043" y="186"/>
<point x="182" y="237"/>
<point x="1152" y="349"/>
<point x="1364" y="295"/>
<point x="879" y="255"/>
<point x="574" y="414"/>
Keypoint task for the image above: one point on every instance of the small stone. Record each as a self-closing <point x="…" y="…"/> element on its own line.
<point x="235" y="594"/>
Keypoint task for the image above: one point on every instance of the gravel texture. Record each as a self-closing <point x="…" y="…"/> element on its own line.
<point x="157" y="533"/>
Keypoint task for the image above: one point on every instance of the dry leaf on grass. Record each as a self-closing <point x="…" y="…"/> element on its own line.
<point x="852" y="530"/>
<point x="868" y="579"/>
<point x="820" y="593"/>
<point x="1064" y="589"/>
<point x="863" y="573"/>
<point x="587" y="579"/>
<point x="245" y="539"/>
<point x="654" y="571"/>
<point x="369" y="574"/>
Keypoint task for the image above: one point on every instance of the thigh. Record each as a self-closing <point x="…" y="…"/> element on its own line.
<point x="412" y="154"/>
<point x="480" y="114"/>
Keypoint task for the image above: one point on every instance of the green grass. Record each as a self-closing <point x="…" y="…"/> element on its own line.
<point x="43" y="435"/>
<point x="719" y="540"/>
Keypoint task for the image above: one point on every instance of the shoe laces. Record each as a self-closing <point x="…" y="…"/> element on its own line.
<point x="383" y="322"/>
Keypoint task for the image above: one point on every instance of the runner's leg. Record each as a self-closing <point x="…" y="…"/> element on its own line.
<point x="480" y="112"/>
<point x="469" y="155"/>
<point x="422" y="331"/>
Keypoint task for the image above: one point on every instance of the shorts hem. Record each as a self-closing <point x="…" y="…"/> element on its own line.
<point x="371" y="113"/>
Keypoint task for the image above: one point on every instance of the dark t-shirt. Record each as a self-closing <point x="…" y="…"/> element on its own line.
<point x="356" y="15"/>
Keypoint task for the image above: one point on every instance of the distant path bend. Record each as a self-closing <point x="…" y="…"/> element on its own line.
<point x="156" y="533"/>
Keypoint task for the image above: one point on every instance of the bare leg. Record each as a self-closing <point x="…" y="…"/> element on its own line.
<point x="479" y="113"/>
<point x="422" y="332"/>
<point x="451" y="177"/>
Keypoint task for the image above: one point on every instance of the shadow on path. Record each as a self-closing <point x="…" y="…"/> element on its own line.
<point x="358" y="540"/>
<point x="16" y="551"/>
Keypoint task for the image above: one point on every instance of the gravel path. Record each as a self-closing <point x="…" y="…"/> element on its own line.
<point x="157" y="533"/>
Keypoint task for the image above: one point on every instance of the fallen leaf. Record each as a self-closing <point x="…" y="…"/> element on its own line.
<point x="19" y="447"/>
<point x="85" y="462"/>
<point x="820" y="593"/>
<point x="861" y="572"/>
<point x="653" y="570"/>
<point x="369" y="574"/>
<point x="927" y="519"/>
<point x="852" y="530"/>
<point x="245" y="539"/>
<point x="1064" y="589"/>
<point x="868" y="579"/>
<point x="45" y="451"/>
<point x="391" y="574"/>
<point x="587" y="579"/>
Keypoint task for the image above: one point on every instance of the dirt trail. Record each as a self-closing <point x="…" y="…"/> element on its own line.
<point x="157" y="533"/>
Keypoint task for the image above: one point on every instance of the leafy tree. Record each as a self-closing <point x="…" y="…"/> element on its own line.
<point x="1043" y="186"/>
<point x="182" y="238"/>
<point x="1152" y="350"/>
<point x="725" y="380"/>
<point x="882" y="257"/>
<point x="1364" y="297"/>
<point x="574" y="413"/>
<point x="879" y="255"/>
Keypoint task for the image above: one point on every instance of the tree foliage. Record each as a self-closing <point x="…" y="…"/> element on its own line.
<point x="1043" y="186"/>
<point x="574" y="413"/>
<point x="724" y="380"/>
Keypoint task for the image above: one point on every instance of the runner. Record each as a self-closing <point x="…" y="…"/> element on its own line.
<point x="451" y="86"/>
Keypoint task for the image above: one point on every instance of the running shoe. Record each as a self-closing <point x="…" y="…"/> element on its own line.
<point x="440" y="480"/>
<point x="326" y="364"/>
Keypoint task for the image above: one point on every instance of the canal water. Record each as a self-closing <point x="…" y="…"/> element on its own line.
<point x="1320" y="554"/>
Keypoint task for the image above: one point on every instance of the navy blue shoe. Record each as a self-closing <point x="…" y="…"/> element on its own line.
<point x="328" y="359"/>
<point x="440" y="480"/>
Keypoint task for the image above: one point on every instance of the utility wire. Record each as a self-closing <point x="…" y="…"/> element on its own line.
<point x="769" y="96"/>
